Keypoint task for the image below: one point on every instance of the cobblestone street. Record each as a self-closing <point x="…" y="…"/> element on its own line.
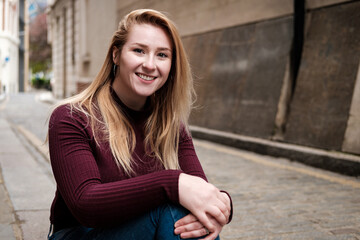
<point x="278" y="199"/>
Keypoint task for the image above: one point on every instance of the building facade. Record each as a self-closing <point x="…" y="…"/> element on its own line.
<point x="9" y="46"/>
<point x="79" y="32"/>
<point x="271" y="70"/>
<point x="13" y="46"/>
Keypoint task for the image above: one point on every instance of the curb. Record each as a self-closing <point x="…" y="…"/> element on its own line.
<point x="35" y="141"/>
<point x="346" y="164"/>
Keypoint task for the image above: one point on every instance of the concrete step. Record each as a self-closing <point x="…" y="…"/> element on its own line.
<point x="346" y="164"/>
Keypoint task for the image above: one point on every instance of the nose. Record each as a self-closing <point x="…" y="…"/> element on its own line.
<point x="149" y="62"/>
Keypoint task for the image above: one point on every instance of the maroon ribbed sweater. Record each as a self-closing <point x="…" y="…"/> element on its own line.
<point x="91" y="190"/>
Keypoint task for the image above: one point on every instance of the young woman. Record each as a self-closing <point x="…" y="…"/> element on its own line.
<point x="121" y="154"/>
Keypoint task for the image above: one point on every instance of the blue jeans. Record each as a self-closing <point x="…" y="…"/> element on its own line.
<point x="157" y="224"/>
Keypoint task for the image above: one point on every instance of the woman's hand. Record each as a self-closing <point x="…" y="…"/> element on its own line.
<point x="210" y="206"/>
<point x="190" y="227"/>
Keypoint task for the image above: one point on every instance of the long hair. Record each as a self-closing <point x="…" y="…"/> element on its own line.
<point x="170" y="104"/>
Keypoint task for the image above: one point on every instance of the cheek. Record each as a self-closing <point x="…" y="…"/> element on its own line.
<point x="166" y="69"/>
<point x="129" y="62"/>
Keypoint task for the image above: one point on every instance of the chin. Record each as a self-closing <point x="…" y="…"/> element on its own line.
<point x="146" y="93"/>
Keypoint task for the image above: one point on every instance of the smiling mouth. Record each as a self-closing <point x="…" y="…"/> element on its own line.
<point x="145" y="77"/>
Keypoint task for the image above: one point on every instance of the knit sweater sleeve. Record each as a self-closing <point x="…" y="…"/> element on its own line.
<point x="188" y="159"/>
<point x="93" y="203"/>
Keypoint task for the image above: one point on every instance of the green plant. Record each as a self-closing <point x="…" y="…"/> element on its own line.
<point x="41" y="83"/>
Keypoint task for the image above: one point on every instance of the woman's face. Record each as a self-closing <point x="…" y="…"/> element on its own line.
<point x="144" y="64"/>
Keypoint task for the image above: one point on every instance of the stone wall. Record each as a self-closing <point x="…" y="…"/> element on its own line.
<point x="352" y="140"/>
<point x="324" y="88"/>
<point x="194" y="17"/>
<point x="239" y="74"/>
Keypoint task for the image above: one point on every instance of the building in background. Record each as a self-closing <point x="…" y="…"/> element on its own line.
<point x="13" y="46"/>
<point x="279" y="70"/>
<point x="79" y="32"/>
<point x="9" y="46"/>
<point x="23" y="47"/>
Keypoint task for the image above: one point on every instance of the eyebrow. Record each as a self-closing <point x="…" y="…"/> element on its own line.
<point x="145" y="46"/>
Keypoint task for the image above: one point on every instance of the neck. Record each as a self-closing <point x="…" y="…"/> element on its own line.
<point x="134" y="104"/>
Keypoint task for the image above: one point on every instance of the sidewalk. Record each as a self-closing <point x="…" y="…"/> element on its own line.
<point x="26" y="189"/>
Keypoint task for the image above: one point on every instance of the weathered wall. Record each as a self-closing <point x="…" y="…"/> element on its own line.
<point x="241" y="70"/>
<point x="325" y="85"/>
<point x="194" y="17"/>
<point x="312" y="4"/>
<point x="239" y="73"/>
<point x="352" y="140"/>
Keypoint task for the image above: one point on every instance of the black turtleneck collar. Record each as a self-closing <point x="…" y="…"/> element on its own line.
<point x="136" y="115"/>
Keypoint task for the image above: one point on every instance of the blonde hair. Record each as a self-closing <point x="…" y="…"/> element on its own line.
<point x="170" y="105"/>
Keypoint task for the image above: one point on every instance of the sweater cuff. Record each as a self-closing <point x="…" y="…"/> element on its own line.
<point x="173" y="191"/>
<point x="231" y="206"/>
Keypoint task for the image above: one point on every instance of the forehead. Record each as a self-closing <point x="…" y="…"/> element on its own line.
<point x="149" y="35"/>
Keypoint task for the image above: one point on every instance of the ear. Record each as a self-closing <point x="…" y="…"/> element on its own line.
<point x="115" y="55"/>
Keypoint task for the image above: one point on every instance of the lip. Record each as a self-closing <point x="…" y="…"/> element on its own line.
<point x="147" y="76"/>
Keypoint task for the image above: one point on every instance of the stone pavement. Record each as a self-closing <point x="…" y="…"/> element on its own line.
<point x="26" y="188"/>
<point x="273" y="198"/>
<point x="278" y="199"/>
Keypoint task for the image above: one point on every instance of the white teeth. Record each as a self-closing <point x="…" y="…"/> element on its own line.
<point x="147" y="78"/>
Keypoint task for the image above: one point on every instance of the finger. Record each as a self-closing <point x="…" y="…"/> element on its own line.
<point x="219" y="216"/>
<point x="226" y="212"/>
<point x="224" y="197"/>
<point x="194" y="234"/>
<point x="226" y="200"/>
<point x="205" y="220"/>
<point x="188" y="228"/>
<point x="186" y="220"/>
<point x="211" y="236"/>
